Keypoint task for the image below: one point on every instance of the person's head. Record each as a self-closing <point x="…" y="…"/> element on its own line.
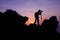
<point x="40" y="11"/>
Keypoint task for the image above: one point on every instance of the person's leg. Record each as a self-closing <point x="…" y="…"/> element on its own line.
<point x="38" y="21"/>
<point x="35" y="21"/>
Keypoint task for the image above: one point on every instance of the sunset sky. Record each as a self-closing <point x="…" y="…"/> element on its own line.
<point x="29" y="7"/>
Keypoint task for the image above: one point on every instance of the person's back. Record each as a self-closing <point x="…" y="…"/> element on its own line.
<point x="36" y="15"/>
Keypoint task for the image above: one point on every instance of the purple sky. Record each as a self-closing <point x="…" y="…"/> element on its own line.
<point x="29" y="7"/>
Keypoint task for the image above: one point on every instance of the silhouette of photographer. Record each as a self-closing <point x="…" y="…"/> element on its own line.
<point x="37" y="16"/>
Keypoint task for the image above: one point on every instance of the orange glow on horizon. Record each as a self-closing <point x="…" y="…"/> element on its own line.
<point x="31" y="20"/>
